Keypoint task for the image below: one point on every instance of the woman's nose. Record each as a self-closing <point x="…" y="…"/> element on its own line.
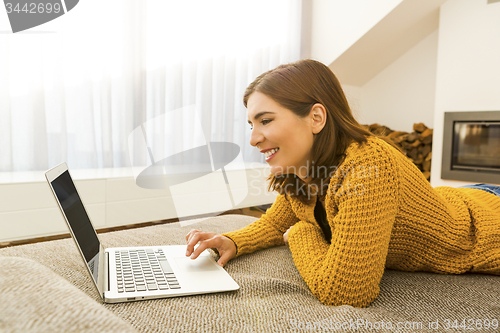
<point x="256" y="137"/>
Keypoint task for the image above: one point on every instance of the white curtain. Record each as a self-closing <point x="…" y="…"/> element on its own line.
<point x="75" y="88"/>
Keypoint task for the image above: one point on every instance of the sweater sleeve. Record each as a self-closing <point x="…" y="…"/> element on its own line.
<point x="362" y="208"/>
<point x="267" y="231"/>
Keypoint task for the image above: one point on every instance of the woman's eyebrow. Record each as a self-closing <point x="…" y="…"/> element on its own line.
<point x="260" y="114"/>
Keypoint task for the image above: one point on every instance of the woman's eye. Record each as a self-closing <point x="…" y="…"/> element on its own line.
<point x="263" y="122"/>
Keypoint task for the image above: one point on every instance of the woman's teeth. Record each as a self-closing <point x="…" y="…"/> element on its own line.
<point x="270" y="152"/>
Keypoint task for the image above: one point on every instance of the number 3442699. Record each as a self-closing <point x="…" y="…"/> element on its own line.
<point x="33" y="8"/>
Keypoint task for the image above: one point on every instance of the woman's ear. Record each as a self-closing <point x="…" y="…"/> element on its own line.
<point x="318" y="117"/>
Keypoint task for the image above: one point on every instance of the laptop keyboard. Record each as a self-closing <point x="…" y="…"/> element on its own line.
<point x="142" y="270"/>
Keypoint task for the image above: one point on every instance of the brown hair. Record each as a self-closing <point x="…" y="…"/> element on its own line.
<point x="298" y="86"/>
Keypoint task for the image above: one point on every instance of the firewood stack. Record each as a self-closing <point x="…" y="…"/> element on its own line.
<point x="417" y="145"/>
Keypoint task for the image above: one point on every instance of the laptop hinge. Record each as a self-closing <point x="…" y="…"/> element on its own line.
<point x="106" y="270"/>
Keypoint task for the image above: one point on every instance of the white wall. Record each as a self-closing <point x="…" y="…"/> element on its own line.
<point x="468" y="67"/>
<point x="112" y="198"/>
<point x="354" y="95"/>
<point x="403" y="93"/>
<point x="338" y="24"/>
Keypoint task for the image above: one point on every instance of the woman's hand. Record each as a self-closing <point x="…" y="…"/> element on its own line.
<point x="225" y="246"/>
<point x="285" y="235"/>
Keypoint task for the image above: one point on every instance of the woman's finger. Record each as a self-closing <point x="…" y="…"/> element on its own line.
<point x="190" y="233"/>
<point x="224" y="258"/>
<point x="205" y="244"/>
<point x="195" y="238"/>
<point x="285" y="236"/>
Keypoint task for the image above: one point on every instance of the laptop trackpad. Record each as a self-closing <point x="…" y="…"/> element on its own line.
<point x="200" y="264"/>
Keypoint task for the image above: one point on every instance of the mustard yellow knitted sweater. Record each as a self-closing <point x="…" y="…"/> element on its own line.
<point x="382" y="213"/>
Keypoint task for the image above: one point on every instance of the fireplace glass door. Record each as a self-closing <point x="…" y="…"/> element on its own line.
<point x="476" y="146"/>
<point x="471" y="147"/>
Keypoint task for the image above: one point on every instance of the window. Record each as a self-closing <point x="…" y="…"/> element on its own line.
<point x="74" y="88"/>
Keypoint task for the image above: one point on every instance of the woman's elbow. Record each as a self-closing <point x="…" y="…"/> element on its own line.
<point x="358" y="298"/>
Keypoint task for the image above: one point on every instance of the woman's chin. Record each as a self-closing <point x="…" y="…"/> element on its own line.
<point x="276" y="171"/>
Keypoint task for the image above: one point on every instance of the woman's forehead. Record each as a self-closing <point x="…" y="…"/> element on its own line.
<point x="259" y="102"/>
<point x="258" y="99"/>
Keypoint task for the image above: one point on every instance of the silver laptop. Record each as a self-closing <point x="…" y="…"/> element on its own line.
<point x="134" y="273"/>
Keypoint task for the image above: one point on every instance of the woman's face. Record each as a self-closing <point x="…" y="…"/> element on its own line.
<point x="284" y="138"/>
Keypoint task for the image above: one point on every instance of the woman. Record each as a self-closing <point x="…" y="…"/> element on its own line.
<point x="350" y="204"/>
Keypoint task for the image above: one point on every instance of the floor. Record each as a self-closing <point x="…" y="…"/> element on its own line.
<point x="250" y="211"/>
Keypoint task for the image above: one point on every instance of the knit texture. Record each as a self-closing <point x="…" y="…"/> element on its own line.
<point x="382" y="213"/>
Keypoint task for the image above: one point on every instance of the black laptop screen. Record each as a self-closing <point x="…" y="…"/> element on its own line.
<point x="77" y="216"/>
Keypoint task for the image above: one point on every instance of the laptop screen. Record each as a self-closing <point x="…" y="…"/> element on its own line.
<point x="78" y="220"/>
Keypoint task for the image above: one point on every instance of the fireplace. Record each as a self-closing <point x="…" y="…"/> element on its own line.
<point x="471" y="146"/>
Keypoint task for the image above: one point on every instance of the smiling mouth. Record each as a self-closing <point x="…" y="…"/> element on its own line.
<point x="270" y="153"/>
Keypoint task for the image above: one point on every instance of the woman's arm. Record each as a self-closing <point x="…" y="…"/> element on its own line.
<point x="349" y="270"/>
<point x="263" y="233"/>
<point x="267" y="231"/>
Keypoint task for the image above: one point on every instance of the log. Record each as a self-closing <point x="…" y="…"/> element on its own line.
<point x="426" y="166"/>
<point x="426" y="149"/>
<point x="412" y="137"/>
<point x="416" y="143"/>
<point x="420" y="127"/>
<point x="396" y="134"/>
